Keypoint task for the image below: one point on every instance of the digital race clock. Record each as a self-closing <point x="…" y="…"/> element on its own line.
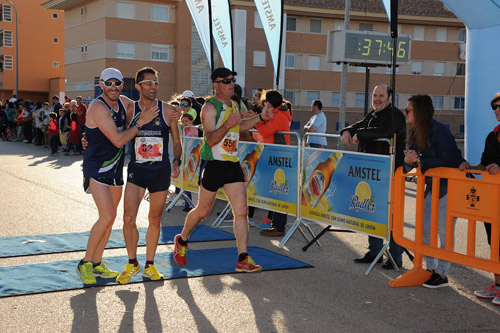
<point x="366" y="47"/>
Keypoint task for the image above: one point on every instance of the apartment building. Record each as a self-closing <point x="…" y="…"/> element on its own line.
<point x="132" y="34"/>
<point x="39" y="45"/>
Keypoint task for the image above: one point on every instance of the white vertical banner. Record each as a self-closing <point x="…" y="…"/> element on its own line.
<point x="222" y="31"/>
<point x="271" y="16"/>
<point x="199" y="12"/>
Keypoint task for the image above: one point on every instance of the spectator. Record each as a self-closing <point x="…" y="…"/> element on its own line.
<point x="431" y="145"/>
<point x="317" y="124"/>
<point x="194" y="104"/>
<point x="273" y="102"/>
<point x="377" y="125"/>
<point x="74" y="136"/>
<point x="46" y="121"/>
<point x="53" y="130"/>
<point x="81" y="111"/>
<point x="3" y="123"/>
<point x="38" y="116"/>
<point x="11" y="121"/>
<point x="55" y="104"/>
<point x="64" y="114"/>
<point x="490" y="161"/>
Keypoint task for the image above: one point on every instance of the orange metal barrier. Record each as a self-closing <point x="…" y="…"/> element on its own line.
<point x="473" y="199"/>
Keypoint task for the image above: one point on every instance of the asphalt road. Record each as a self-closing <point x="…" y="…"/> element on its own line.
<point x="41" y="194"/>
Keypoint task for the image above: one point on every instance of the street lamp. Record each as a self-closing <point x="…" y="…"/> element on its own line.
<point x="17" y="52"/>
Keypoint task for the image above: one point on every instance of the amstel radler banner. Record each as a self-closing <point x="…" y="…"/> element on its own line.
<point x="348" y="190"/>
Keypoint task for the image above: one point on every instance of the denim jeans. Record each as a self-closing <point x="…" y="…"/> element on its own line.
<point x="441" y="266"/>
<point x="375" y="245"/>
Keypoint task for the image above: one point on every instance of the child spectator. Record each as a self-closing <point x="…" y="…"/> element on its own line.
<point x="64" y="126"/>
<point x="53" y="130"/>
<point x="74" y="136"/>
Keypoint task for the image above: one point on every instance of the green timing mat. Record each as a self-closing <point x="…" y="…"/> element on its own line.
<point x="77" y="241"/>
<point x="58" y="276"/>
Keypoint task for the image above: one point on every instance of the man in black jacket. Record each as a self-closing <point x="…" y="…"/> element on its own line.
<point x="378" y="125"/>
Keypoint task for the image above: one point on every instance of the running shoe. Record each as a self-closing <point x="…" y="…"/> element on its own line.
<point x="104" y="272"/>
<point x="266" y="224"/>
<point x="251" y="222"/>
<point x="248" y="266"/>
<point x="488" y="292"/>
<point x="179" y="252"/>
<point x="129" y="271"/>
<point x="152" y="273"/>
<point x="86" y="272"/>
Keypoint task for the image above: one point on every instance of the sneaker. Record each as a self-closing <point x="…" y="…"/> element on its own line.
<point x="436" y="281"/>
<point x="152" y="273"/>
<point x="179" y="252"/>
<point x="266" y="224"/>
<point x="488" y="292"/>
<point x="104" y="272"/>
<point x="251" y="222"/>
<point x="496" y="300"/>
<point x="129" y="271"/>
<point x="86" y="272"/>
<point x="248" y="266"/>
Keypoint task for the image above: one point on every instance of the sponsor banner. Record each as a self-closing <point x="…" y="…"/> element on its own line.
<point x="348" y="190"/>
<point x="270" y="13"/>
<point x="191" y="163"/>
<point x="199" y="13"/>
<point x="271" y="175"/>
<point x="221" y="30"/>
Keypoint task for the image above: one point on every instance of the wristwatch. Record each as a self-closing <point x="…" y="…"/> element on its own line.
<point x="178" y="160"/>
<point x="134" y="124"/>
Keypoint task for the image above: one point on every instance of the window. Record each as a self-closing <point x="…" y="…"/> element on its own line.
<point x="311" y="96"/>
<point x="259" y="58"/>
<point x="315" y="26"/>
<point x="441" y="33"/>
<point x="336" y="99"/>
<point x="290" y="61"/>
<point x="437" y="101"/>
<point x="6" y="13"/>
<point x="462" y="35"/>
<point x="418" y="32"/>
<point x="313" y="63"/>
<point x="416" y="67"/>
<point x="459" y="103"/>
<point x="8" y="62"/>
<point x="159" y="13"/>
<point x="360" y="100"/>
<point x="83" y="48"/>
<point x="55" y="40"/>
<point x="439" y="69"/>
<point x="55" y="64"/>
<point x="125" y="50"/>
<point x="365" y="26"/>
<point x="291" y="24"/>
<point x="125" y="10"/>
<point x="461" y="69"/>
<point x="290" y="96"/>
<point x="7" y="38"/>
<point x="257" y="23"/>
<point x="55" y="16"/>
<point x="159" y="52"/>
<point x="83" y="11"/>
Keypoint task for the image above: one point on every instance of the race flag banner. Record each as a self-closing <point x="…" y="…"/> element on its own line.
<point x="200" y="14"/>
<point x="348" y="190"/>
<point x="271" y="175"/>
<point x="222" y="30"/>
<point x="271" y="16"/>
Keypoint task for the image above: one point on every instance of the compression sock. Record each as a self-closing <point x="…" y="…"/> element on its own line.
<point x="242" y="256"/>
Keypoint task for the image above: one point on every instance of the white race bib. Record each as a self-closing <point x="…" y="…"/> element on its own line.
<point x="148" y="149"/>
<point x="229" y="145"/>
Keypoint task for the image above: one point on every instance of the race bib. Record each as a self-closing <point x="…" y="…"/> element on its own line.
<point x="229" y="145"/>
<point x="148" y="149"/>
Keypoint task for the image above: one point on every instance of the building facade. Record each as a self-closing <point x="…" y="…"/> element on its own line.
<point x="131" y="34"/>
<point x="40" y="47"/>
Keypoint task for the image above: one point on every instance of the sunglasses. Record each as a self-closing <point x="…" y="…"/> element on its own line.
<point x="227" y="81"/>
<point x="150" y="83"/>
<point x="495" y="106"/>
<point x="110" y="83"/>
<point x="183" y="105"/>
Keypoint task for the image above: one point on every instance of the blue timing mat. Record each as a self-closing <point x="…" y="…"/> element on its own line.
<point x="57" y="276"/>
<point x="77" y="241"/>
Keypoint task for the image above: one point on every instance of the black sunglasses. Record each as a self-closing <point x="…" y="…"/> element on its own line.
<point x="110" y="83"/>
<point x="226" y="81"/>
<point x="495" y="106"/>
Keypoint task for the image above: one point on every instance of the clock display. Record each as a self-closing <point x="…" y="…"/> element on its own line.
<point x="367" y="47"/>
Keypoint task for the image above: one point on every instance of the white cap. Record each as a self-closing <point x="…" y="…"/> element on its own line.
<point x="188" y="93"/>
<point x="111" y="73"/>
